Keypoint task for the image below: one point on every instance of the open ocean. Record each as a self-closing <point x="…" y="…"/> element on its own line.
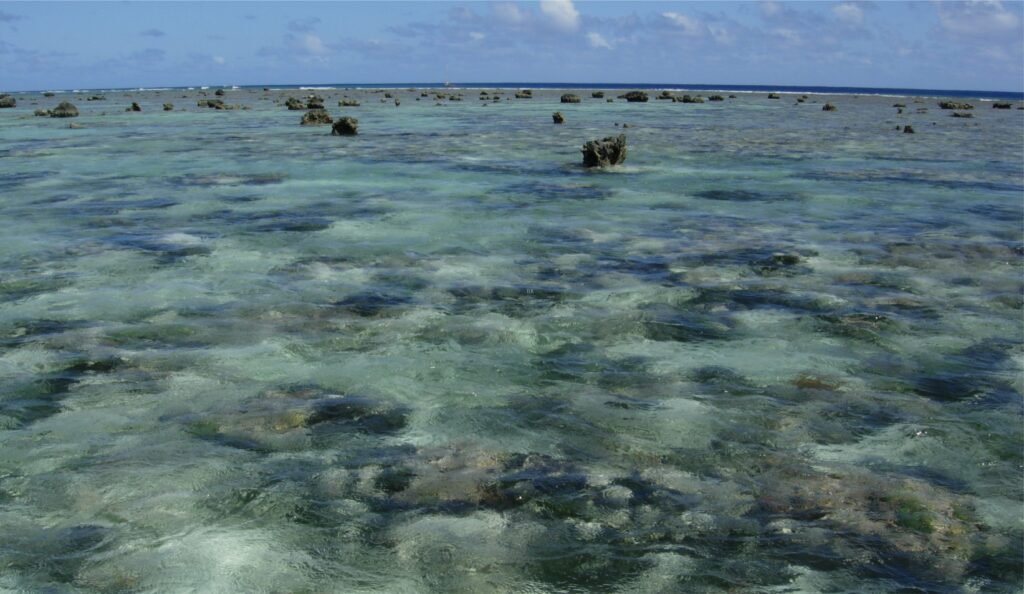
<point x="779" y="349"/>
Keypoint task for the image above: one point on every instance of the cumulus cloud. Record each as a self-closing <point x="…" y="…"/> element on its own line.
<point x="688" y="25"/>
<point x="978" y="18"/>
<point x="152" y="33"/>
<point x="561" y="13"/>
<point x="598" y="41"/>
<point x="314" y="45"/>
<point x="476" y="36"/>
<point x="849" y="13"/>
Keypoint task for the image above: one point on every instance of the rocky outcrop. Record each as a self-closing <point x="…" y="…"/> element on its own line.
<point x="64" y="110"/>
<point x="168" y="107"/>
<point x="97" y="98"/>
<point x="314" y="102"/>
<point x="49" y="94"/>
<point x="597" y="95"/>
<point x="716" y="98"/>
<point x="558" y="117"/>
<point x="7" y="101"/>
<point x="348" y="103"/>
<point x="689" y="99"/>
<point x="219" y="92"/>
<point x="1002" y="105"/>
<point x="527" y="94"/>
<point x="635" y="97"/>
<point x="294" y="104"/>
<point x="346" y="126"/>
<point x="569" y="98"/>
<point x="666" y="95"/>
<point x="829" y="107"/>
<point x="316" y="117"/>
<point x="908" y="129"/>
<point x="41" y="113"/>
<point x="604" y="153"/>
<point x="134" y="107"/>
<point x="211" y="103"/>
<point x="773" y="95"/>
<point x="955" y="105"/>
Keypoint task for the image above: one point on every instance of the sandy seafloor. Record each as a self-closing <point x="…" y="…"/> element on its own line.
<point x="778" y="350"/>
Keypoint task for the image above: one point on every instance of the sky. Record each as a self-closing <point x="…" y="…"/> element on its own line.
<point x="976" y="45"/>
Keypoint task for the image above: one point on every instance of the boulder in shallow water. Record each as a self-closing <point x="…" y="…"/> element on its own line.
<point x="219" y="92"/>
<point x="527" y="94"/>
<point x="635" y="97"/>
<point x="348" y="103"/>
<point x="666" y="95"/>
<point x="314" y="102"/>
<point x="962" y="114"/>
<point x="773" y="95"/>
<point x="597" y="94"/>
<point x="64" y="110"/>
<point x="134" y="107"/>
<point x="570" y="98"/>
<point x="955" y="105"/>
<point x="1001" y="105"/>
<point x="604" y="153"/>
<point x="716" y="98"/>
<point x="908" y="129"/>
<point x="689" y="99"/>
<point x="316" y="117"/>
<point x="41" y="113"/>
<point x="7" y="101"/>
<point x="168" y="107"/>
<point x="294" y="104"/>
<point x="829" y="107"/>
<point x="558" y="117"/>
<point x="346" y="126"/>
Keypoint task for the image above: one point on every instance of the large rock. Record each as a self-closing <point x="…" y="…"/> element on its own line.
<point x="558" y="117"/>
<point x="7" y="101"/>
<point x="316" y="117"/>
<point x="64" y="110"/>
<point x="635" y="97"/>
<point x="294" y="104"/>
<point x="569" y="98"/>
<point x="346" y="126"/>
<point x="955" y="105"/>
<point x="605" y="153"/>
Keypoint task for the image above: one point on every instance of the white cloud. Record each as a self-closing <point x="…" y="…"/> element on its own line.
<point x="770" y="9"/>
<point x="476" y="36"/>
<point x="789" y="35"/>
<point x="507" y="13"/>
<point x="561" y="13"/>
<point x="314" y="45"/>
<point x="688" y="24"/>
<point x="977" y="18"/>
<point x="219" y="60"/>
<point x="849" y="13"/>
<point x="721" y="35"/>
<point x="598" y="41"/>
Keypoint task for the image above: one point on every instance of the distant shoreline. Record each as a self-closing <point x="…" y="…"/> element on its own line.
<point x="806" y="90"/>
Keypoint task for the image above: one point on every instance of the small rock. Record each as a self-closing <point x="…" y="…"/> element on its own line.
<point x="604" y="153"/>
<point x="558" y="118"/>
<point x="134" y="107"/>
<point x="773" y="95"/>
<point x="597" y="95"/>
<point x="829" y="107"/>
<point x="294" y="104"/>
<point x="74" y="126"/>
<point x="908" y="129"/>
<point x="219" y="92"/>
<point x="962" y="114"/>
<point x="348" y="103"/>
<point x="716" y="98"/>
<point x="168" y="107"/>
<point x="346" y="126"/>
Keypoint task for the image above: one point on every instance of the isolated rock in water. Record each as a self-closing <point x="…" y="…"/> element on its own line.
<point x="41" y="113"/>
<point x="168" y="107"/>
<point x="558" y="118"/>
<point x="348" y="103"/>
<point x="398" y="102"/>
<point x="635" y="97"/>
<point x="524" y="95"/>
<point x="97" y="98"/>
<point x="908" y="129"/>
<point x="773" y="95"/>
<point x="49" y="94"/>
<point x="134" y="107"/>
<point x="716" y="98"/>
<point x="211" y="103"/>
<point x="568" y="98"/>
<point x="294" y="104"/>
<point x="899" y="104"/>
<point x="314" y="102"/>
<point x="999" y="105"/>
<point x="346" y="126"/>
<point x="316" y="117"/>
<point x="606" y="152"/>
<point x="829" y="107"/>
<point x="597" y="95"/>
<point x="962" y="114"/>
<point x="64" y="110"/>
<point x="7" y="101"/>
<point x="955" y="105"/>
<point x="665" y="95"/>
<point x="689" y="99"/>
<point x="219" y="92"/>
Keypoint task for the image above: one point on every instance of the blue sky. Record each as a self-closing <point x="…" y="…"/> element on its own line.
<point x="947" y="45"/>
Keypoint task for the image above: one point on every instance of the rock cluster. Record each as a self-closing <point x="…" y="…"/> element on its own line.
<point x="955" y="105"/>
<point x="294" y="104"/>
<point x="211" y="103"/>
<point x="606" y="152"/>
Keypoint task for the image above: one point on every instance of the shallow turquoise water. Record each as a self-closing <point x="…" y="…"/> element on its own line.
<point x="778" y="350"/>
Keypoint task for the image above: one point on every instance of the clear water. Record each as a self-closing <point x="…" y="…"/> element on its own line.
<point x="778" y="350"/>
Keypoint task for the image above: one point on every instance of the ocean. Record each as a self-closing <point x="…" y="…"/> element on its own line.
<point x="778" y="349"/>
